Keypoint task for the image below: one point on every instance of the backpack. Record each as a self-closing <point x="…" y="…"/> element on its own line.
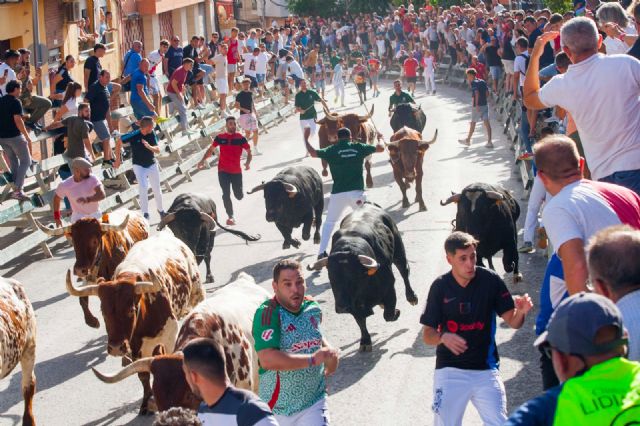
<point x="526" y="61"/>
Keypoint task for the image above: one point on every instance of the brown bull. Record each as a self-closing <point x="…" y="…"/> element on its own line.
<point x="225" y="317"/>
<point x="406" y="152"/>
<point x="361" y="130"/>
<point x="155" y="286"/>
<point x="100" y="247"/>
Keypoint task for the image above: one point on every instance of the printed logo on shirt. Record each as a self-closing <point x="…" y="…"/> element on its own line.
<point x="450" y="299"/>
<point x="267" y="334"/>
<point x="314" y="322"/>
<point x="290" y="328"/>
<point x="453" y="326"/>
<point x="307" y="344"/>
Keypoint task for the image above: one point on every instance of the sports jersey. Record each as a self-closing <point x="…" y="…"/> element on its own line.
<point x="410" y="67"/>
<point x="305" y="101"/>
<point x="346" y="161"/>
<point x="236" y="407"/>
<point x="274" y="327"/>
<point x="232" y="51"/>
<point x="231" y="146"/>
<point x="470" y="312"/>
<point x="552" y="292"/>
<point x="141" y="156"/>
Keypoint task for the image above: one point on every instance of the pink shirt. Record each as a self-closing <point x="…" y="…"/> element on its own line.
<point x="73" y="190"/>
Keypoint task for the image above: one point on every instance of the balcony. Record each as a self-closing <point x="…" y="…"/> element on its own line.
<point x="154" y="7"/>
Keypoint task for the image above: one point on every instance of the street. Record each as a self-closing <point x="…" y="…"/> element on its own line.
<point x="390" y="385"/>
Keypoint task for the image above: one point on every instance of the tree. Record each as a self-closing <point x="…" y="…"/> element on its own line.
<point x="324" y="8"/>
<point x="559" y="6"/>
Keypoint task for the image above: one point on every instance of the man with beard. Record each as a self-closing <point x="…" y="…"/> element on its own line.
<point x="294" y="357"/>
<point x="83" y="190"/>
<point x="222" y="404"/>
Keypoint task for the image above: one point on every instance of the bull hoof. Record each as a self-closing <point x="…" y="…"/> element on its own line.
<point x="286" y="245"/>
<point x="365" y="348"/>
<point x="517" y="277"/>
<point x="423" y="207"/>
<point x="316" y="238"/>
<point x="209" y="278"/>
<point x="412" y="298"/>
<point x="306" y="235"/>
<point x="395" y="316"/>
<point x="295" y="243"/>
<point x="369" y="182"/>
<point x="405" y="203"/>
<point x="92" y="321"/>
<point x="325" y="173"/>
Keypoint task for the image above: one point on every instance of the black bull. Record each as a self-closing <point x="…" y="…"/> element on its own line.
<point x="362" y="252"/>
<point x="292" y="198"/>
<point x="408" y="115"/>
<point x="489" y="213"/>
<point x="192" y="218"/>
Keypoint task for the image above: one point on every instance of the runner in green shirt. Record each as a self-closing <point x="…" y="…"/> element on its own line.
<point x="346" y="162"/>
<point x="293" y="355"/>
<point x="333" y="60"/>
<point x="399" y="96"/>
<point x="304" y="103"/>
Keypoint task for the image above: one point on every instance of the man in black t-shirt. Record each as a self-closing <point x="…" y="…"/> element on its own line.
<point x="144" y="148"/>
<point x="460" y="319"/>
<point x="99" y="99"/>
<point x="479" y="107"/>
<point x="248" y="119"/>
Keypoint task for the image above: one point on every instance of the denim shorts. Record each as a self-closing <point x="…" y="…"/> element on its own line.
<point x="495" y="72"/>
<point x="260" y="78"/>
<point x="102" y="129"/>
<point x="481" y="115"/>
<point x="627" y="178"/>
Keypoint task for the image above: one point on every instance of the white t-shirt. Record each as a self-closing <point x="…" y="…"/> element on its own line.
<point x="381" y="48"/>
<point x="295" y="69"/>
<point x="249" y="64"/>
<point x="337" y="75"/>
<point x="262" y="61"/>
<point x="11" y="75"/>
<point x="602" y="95"/>
<point x="220" y="63"/>
<point x="155" y="58"/>
<point x="615" y="46"/>
<point x="427" y="64"/>
<point x="72" y="106"/>
<point x="520" y="65"/>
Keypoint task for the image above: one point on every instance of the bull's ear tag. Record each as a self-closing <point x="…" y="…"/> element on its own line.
<point x="105" y="218"/>
<point x="372" y="271"/>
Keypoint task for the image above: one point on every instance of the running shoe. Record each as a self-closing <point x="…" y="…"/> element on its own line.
<point x="527" y="156"/>
<point x="526" y="247"/>
<point x="465" y="142"/>
<point x="20" y="196"/>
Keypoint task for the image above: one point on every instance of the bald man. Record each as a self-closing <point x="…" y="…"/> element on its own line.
<point x="140" y="100"/>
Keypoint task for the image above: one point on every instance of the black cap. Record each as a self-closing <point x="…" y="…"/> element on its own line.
<point x="10" y="53"/>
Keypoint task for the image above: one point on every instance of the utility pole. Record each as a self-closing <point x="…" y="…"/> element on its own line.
<point x="37" y="55"/>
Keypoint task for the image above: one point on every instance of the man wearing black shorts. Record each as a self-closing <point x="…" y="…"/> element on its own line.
<point x="231" y="144"/>
<point x="460" y="319"/>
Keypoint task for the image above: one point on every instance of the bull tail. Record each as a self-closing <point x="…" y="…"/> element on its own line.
<point x="240" y="234"/>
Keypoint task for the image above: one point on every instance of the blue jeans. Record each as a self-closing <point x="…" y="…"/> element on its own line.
<point x="523" y="131"/>
<point x="627" y="178"/>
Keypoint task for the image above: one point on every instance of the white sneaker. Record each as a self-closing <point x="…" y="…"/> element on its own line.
<point x="256" y="151"/>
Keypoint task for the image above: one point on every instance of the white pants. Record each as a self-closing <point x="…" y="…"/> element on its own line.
<point x="339" y="89"/>
<point x="316" y="415"/>
<point x="77" y="216"/>
<point x="430" y="81"/>
<point x="311" y="124"/>
<point x="153" y="174"/>
<point x="338" y="203"/>
<point x="453" y="388"/>
<point x="537" y="196"/>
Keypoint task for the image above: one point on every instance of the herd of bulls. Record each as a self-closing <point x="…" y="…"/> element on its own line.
<point x="147" y="283"/>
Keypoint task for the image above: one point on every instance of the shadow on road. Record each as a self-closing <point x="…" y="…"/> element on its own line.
<point x="418" y="349"/>
<point x="119" y="412"/>
<point x="355" y="365"/>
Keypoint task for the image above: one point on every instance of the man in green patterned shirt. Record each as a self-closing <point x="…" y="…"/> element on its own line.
<point x="293" y="355"/>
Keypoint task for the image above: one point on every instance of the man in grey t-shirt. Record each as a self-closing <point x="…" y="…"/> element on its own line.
<point x="77" y="133"/>
<point x="205" y="371"/>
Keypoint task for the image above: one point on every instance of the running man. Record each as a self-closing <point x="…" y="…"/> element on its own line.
<point x="231" y="144"/>
<point x="399" y="96"/>
<point x="248" y="120"/>
<point x="144" y="148"/>
<point x="460" y="319"/>
<point x="305" y="105"/>
<point x="294" y="357"/>
<point x="338" y="81"/>
<point x="479" y="107"/>
<point x="346" y="162"/>
<point x="83" y="190"/>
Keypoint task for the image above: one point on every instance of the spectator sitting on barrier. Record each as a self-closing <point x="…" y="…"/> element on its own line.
<point x="614" y="270"/>
<point x="70" y="102"/>
<point x="61" y="80"/>
<point x="144" y="148"/>
<point x="612" y="149"/>
<point x="36" y="106"/>
<point x="586" y="343"/>
<point x="14" y="138"/>
<point x="83" y="190"/>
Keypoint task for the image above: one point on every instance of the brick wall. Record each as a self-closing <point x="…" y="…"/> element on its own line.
<point x="54" y="21"/>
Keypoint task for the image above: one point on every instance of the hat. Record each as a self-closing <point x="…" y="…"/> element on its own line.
<point x="575" y="322"/>
<point x="81" y="163"/>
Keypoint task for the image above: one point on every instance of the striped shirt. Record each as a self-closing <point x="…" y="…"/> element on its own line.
<point x="236" y="407"/>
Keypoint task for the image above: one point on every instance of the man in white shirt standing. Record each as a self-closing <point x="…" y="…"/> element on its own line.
<point x="155" y="70"/>
<point x="6" y="69"/>
<point x="338" y="82"/>
<point x="250" y="63"/>
<point x="262" y="63"/>
<point x="222" y="85"/>
<point x="601" y="94"/>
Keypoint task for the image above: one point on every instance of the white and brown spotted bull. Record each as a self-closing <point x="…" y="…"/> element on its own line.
<point x="225" y="317"/>
<point x="406" y="154"/>
<point x="100" y="246"/>
<point x="18" y="340"/>
<point x="155" y="285"/>
<point x="362" y="130"/>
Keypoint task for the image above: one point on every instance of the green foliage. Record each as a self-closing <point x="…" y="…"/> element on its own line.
<point x="559" y="6"/>
<point x="324" y="8"/>
<point x="368" y="6"/>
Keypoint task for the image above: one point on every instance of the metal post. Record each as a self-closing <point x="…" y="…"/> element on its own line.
<point x="36" y="40"/>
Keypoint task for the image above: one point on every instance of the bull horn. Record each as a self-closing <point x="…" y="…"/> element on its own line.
<point x="321" y="263"/>
<point x="435" y="136"/>
<point x="453" y="199"/>
<point x="257" y="188"/>
<point x="206" y="218"/>
<point x="330" y="116"/>
<point x="320" y="122"/>
<point x="52" y="232"/>
<point x="368" y="116"/>
<point x="89" y="290"/>
<point x="116" y="228"/>
<point x="494" y="195"/>
<point x="368" y="262"/>
<point x="291" y="189"/>
<point x="143" y="287"/>
<point x="142" y="365"/>
<point x="168" y="218"/>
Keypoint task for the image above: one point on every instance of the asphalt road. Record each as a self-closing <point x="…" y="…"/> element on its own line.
<point x="390" y="385"/>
